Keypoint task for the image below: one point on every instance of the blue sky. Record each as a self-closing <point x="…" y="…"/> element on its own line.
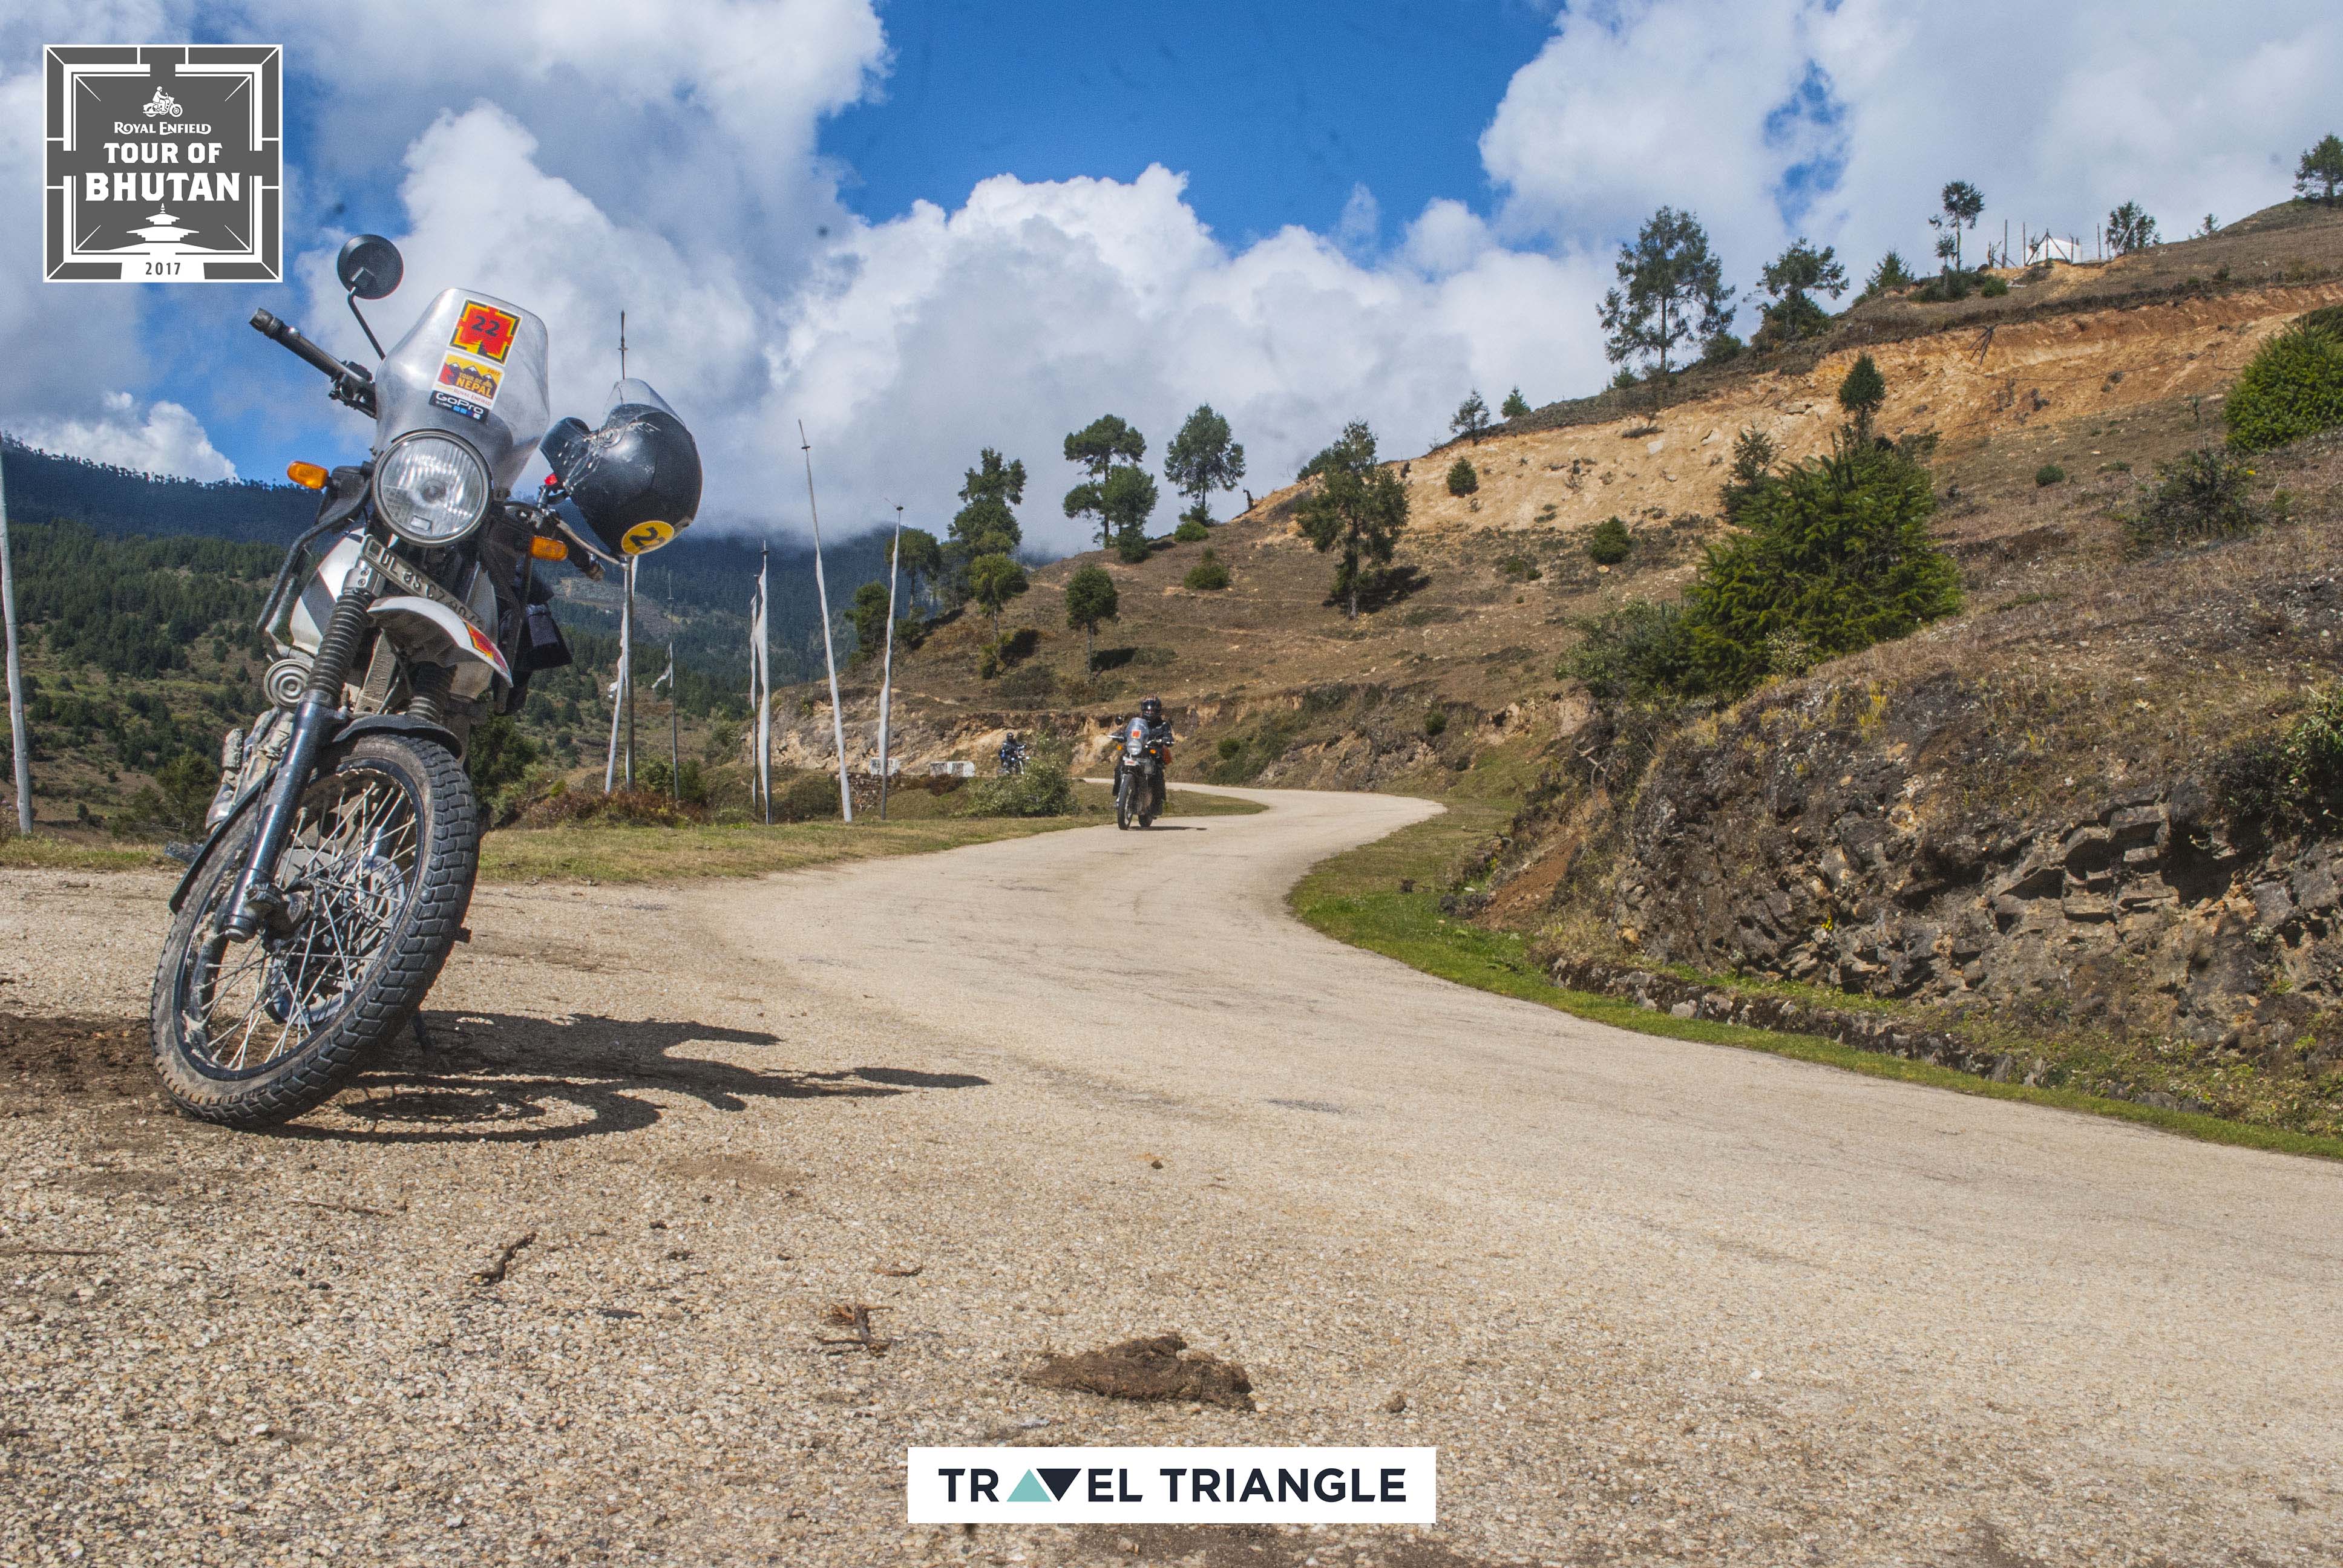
<point x="932" y="227"/>
<point x="1276" y="112"/>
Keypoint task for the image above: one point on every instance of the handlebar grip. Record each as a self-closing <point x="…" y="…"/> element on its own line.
<point x="269" y="327"/>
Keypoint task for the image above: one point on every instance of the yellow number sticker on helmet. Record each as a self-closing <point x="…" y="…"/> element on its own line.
<point x="644" y="538"/>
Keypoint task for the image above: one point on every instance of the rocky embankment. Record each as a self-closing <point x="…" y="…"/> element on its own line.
<point x="1824" y="836"/>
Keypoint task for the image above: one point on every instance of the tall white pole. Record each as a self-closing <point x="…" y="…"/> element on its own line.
<point x="764" y="680"/>
<point x="828" y="653"/>
<point x="18" y="743"/>
<point x="887" y="669"/>
<point x="626" y="662"/>
<point x="619" y="693"/>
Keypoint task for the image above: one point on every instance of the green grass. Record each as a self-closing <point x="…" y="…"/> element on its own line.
<point x="1354" y="898"/>
<point x="64" y="855"/>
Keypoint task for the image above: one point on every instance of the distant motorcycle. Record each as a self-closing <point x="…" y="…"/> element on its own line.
<point x="1139" y="776"/>
<point x="337" y="867"/>
<point x="1013" y="753"/>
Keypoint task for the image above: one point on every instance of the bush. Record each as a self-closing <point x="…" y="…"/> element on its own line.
<point x="2292" y="387"/>
<point x="1190" y="532"/>
<point x="2049" y="474"/>
<point x="1609" y="544"/>
<point x="620" y="809"/>
<point x="988" y="662"/>
<point x="499" y="756"/>
<point x="1462" y="477"/>
<point x="1722" y="349"/>
<point x="1435" y="722"/>
<point x="1208" y="575"/>
<point x="808" y="798"/>
<point x="1228" y="746"/>
<point x="2203" y="495"/>
<point x="1045" y="788"/>
<point x="1994" y="288"/>
<point x="1519" y="569"/>
<point x="2293" y="780"/>
<point x="1638" y="653"/>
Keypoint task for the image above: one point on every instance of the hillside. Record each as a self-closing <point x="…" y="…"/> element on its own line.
<point x="2007" y="832"/>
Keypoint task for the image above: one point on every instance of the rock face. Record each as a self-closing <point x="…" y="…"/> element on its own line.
<point x="1824" y="837"/>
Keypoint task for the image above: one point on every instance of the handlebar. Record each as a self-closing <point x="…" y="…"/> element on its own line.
<point x="352" y="384"/>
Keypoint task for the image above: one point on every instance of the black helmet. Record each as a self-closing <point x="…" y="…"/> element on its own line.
<point x="635" y="480"/>
<point x="1151" y="707"/>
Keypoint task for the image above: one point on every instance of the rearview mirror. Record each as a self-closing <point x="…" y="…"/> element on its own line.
<point x="370" y="265"/>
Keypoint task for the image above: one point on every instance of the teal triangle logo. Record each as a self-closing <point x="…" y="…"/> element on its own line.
<point x="1030" y="1491"/>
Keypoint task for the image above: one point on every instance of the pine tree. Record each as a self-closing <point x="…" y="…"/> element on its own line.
<point x="1675" y="291"/>
<point x="1202" y="459"/>
<point x="1357" y="508"/>
<point x="2320" y="177"/>
<point x="1863" y="393"/>
<point x="1515" y="405"/>
<point x="1091" y="599"/>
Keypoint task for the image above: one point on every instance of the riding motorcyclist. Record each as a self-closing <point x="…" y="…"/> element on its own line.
<point x="1159" y="728"/>
<point x="1012" y="751"/>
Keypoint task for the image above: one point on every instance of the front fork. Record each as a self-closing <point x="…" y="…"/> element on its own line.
<point x="257" y="901"/>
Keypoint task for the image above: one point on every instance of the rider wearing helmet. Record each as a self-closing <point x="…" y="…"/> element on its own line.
<point x="1159" y="728"/>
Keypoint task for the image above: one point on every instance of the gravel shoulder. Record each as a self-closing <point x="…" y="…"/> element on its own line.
<point x="553" y="1289"/>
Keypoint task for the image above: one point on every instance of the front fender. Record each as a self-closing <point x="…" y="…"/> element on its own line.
<point x="218" y="836"/>
<point x="399" y="724"/>
<point x="420" y="624"/>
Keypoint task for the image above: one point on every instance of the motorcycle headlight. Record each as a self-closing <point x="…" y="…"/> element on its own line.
<point x="430" y="489"/>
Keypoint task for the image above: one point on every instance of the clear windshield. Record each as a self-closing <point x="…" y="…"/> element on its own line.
<point x="636" y="393"/>
<point x="474" y="367"/>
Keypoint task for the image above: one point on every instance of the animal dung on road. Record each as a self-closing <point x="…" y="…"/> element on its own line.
<point x="1149" y="1369"/>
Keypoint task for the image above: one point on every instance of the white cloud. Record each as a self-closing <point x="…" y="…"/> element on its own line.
<point x="167" y="439"/>
<point x="1775" y="117"/>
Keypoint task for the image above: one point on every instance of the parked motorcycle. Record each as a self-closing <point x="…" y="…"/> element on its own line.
<point x="337" y="867"/>
<point x="1139" y="776"/>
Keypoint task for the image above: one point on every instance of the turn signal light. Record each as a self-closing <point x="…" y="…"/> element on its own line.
<point x="309" y="475"/>
<point x="547" y="550"/>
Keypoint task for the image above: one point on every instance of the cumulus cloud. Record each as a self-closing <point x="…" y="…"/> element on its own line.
<point x="164" y="440"/>
<point x="1772" y="118"/>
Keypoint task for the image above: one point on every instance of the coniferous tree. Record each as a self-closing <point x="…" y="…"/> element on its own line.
<point x="1791" y="279"/>
<point x="1674" y="290"/>
<point x="1962" y="203"/>
<point x="1472" y="417"/>
<point x="1863" y="393"/>
<point x="2320" y="177"/>
<point x="1091" y="599"/>
<point x="2129" y="228"/>
<point x="1202" y="459"/>
<point x="1515" y="405"/>
<point x="1357" y="508"/>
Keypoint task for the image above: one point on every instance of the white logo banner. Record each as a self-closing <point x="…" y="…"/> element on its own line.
<point x="1174" y="1486"/>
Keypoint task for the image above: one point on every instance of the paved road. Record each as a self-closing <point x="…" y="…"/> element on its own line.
<point x="1653" y="1301"/>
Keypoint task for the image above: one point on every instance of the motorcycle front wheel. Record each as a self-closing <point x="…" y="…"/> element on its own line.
<point x="1123" y="788"/>
<point x="377" y="873"/>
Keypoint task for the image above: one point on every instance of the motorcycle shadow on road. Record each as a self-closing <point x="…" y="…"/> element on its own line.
<point x="494" y="1078"/>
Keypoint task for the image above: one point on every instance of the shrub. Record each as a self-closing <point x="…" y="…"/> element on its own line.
<point x="808" y="798"/>
<point x="1190" y="532"/>
<point x="1521" y="568"/>
<point x="1462" y="478"/>
<point x="1045" y="788"/>
<point x="1837" y="555"/>
<point x="2293" y="386"/>
<point x="1609" y="544"/>
<point x="1208" y="575"/>
<point x="1029" y="685"/>
<point x="2049" y="474"/>
<point x="2200" y="496"/>
<point x="988" y="662"/>
<point x="1722" y="349"/>
<point x="622" y="809"/>
<point x="1435" y="722"/>
<point x="1638" y="653"/>
<point x="2293" y="780"/>
<point x="1228" y="746"/>
<point x="1994" y="288"/>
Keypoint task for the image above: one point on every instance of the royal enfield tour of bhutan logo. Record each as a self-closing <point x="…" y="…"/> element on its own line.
<point x="164" y="164"/>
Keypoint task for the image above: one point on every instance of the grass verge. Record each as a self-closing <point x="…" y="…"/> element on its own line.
<point x="624" y="854"/>
<point x="63" y="855"/>
<point x="1354" y="898"/>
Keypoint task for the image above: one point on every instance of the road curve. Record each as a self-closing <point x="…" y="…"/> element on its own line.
<point x="1651" y="1300"/>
